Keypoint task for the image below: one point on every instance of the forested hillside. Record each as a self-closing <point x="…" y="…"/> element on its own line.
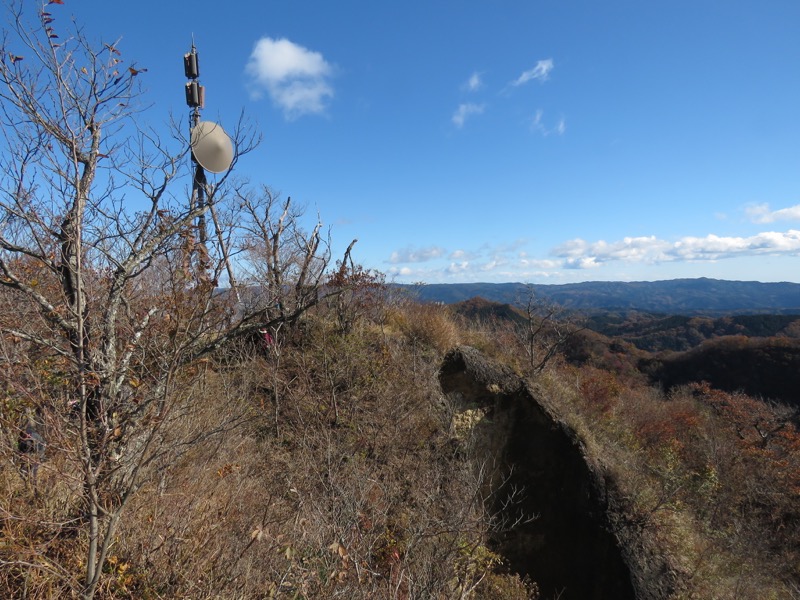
<point x="678" y="296"/>
<point x="655" y="332"/>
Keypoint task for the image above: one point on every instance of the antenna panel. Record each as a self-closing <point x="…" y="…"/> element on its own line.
<point x="211" y="146"/>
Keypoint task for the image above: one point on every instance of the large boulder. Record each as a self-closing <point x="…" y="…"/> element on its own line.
<point x="548" y="496"/>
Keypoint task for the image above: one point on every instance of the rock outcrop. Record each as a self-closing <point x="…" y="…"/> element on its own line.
<point x="539" y="468"/>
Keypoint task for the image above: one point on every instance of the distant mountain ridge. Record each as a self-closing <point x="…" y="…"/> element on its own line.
<point x="675" y="296"/>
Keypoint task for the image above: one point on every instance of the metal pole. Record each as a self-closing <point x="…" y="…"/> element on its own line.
<point x="195" y="97"/>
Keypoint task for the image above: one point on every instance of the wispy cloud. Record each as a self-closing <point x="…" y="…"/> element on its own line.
<point x="761" y="213"/>
<point x="480" y="269"/>
<point x="416" y="255"/>
<point x="474" y="83"/>
<point x="489" y="262"/>
<point x="402" y="272"/>
<point x="456" y="268"/>
<point x="538" y="125"/>
<point x="464" y="111"/>
<point x="538" y="263"/>
<point x="580" y="254"/>
<point x="295" y="78"/>
<point x="541" y="72"/>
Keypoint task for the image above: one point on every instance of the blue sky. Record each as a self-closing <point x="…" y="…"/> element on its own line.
<point x="545" y="141"/>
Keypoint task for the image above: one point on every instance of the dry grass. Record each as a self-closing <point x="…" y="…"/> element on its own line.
<point x="324" y="467"/>
<point x="697" y="490"/>
<point x="329" y="467"/>
<point x="429" y="325"/>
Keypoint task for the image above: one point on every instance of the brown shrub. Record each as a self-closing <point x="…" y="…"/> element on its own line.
<point x="429" y="325"/>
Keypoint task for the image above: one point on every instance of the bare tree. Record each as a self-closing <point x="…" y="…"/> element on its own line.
<point x="123" y="299"/>
<point x="546" y="328"/>
<point x="285" y="266"/>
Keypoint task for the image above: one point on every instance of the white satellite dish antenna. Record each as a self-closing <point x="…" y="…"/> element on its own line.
<point x="211" y="146"/>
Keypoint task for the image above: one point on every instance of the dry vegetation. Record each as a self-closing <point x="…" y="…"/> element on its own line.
<point x="708" y="478"/>
<point x="322" y="466"/>
<point x="191" y="456"/>
<point x="326" y="466"/>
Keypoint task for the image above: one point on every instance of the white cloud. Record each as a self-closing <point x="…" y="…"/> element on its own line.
<point x="761" y="213"/>
<point x="580" y="254"/>
<point x="583" y="262"/>
<point x="489" y="262"/>
<point x="455" y="268"/>
<point x="296" y="78"/>
<point x="401" y="272"/>
<point x="463" y="255"/>
<point x="538" y="263"/>
<point x="474" y="83"/>
<point x="714" y="247"/>
<point x="413" y="255"/>
<point x="633" y="254"/>
<point x="540" y="72"/>
<point x="464" y="111"/>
